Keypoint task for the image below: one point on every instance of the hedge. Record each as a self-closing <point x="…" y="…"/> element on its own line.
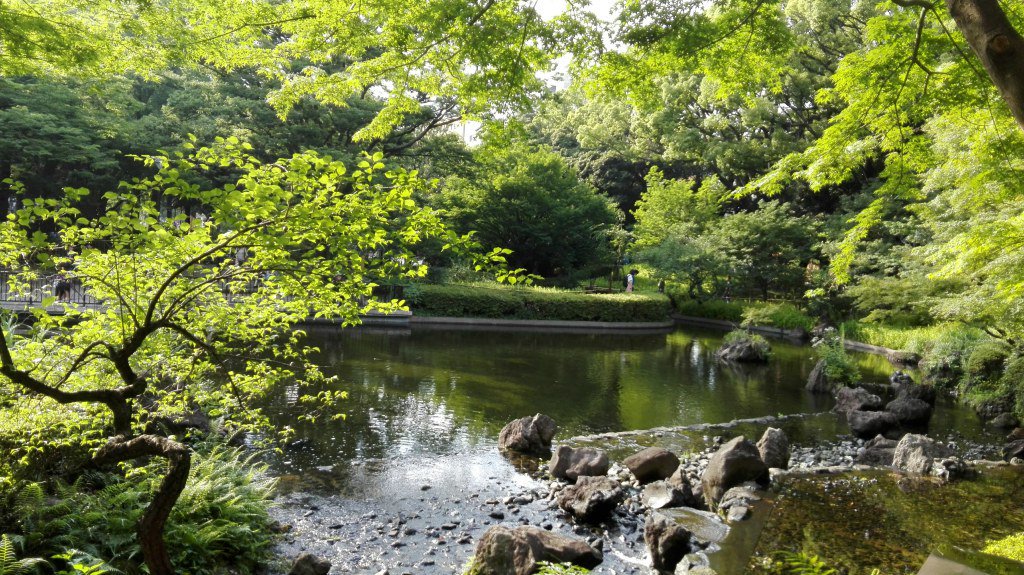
<point x="531" y="303"/>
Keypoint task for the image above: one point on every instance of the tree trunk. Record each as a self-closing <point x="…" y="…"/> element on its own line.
<point x="997" y="44"/>
<point x="151" y="527"/>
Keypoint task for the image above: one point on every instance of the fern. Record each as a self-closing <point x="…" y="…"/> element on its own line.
<point x="9" y="562"/>
<point x="801" y="564"/>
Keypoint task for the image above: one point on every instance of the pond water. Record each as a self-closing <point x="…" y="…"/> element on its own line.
<point x="420" y="399"/>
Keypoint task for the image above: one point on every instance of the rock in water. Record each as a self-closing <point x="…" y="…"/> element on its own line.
<point x="308" y="564"/>
<point x="745" y="351"/>
<point x="667" y="541"/>
<point x="817" y="381"/>
<point x="865" y="424"/>
<point x="505" y="551"/>
<point x="569" y="463"/>
<point x="662" y="494"/>
<point x="652" y="464"/>
<point x="1014" y="449"/>
<point x="878" y="451"/>
<point x="909" y="411"/>
<point x="774" y="448"/>
<point x="857" y="399"/>
<point x="734" y="463"/>
<point x="592" y="498"/>
<point x="914" y="453"/>
<point x="528" y="434"/>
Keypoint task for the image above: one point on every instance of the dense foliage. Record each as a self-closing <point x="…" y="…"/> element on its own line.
<point x="536" y="303"/>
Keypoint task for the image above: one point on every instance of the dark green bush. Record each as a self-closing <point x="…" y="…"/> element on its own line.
<point x="942" y="363"/>
<point x="712" y="309"/>
<point x="840" y="368"/>
<point x="541" y="304"/>
<point x="985" y="364"/>
<point x="780" y="315"/>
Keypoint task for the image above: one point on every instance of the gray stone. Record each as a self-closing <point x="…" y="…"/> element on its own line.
<point x="1005" y="421"/>
<point x="817" y="381"/>
<point x="591" y="498"/>
<point x="528" y="434"/>
<point x="879" y="452"/>
<point x="774" y="448"/>
<point x="667" y="541"/>
<point x="1014" y="449"/>
<point x="737" y="513"/>
<point x="745" y="351"/>
<point x="907" y="389"/>
<point x="652" y="464"/>
<point x="992" y="408"/>
<point x="914" y="453"/>
<point x="517" y="551"/>
<point x="857" y="399"/>
<point x="309" y="564"/>
<point x="661" y="494"/>
<point x="734" y="463"/>
<point x="569" y="463"/>
<point x="866" y="424"/>
<point x="910" y="411"/>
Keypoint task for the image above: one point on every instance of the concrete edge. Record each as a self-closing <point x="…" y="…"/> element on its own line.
<point x="533" y="323"/>
<point x="797" y="334"/>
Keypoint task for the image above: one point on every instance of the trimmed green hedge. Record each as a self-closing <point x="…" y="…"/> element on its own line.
<point x="533" y="303"/>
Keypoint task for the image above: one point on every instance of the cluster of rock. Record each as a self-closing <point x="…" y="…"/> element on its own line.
<point x="869" y="415"/>
<point x="591" y="490"/>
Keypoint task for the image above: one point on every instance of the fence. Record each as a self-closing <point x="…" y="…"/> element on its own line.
<point x="39" y="289"/>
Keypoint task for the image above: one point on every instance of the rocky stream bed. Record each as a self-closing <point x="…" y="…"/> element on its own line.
<point x="431" y="527"/>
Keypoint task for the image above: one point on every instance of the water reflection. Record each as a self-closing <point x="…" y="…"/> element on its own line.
<point x="424" y="396"/>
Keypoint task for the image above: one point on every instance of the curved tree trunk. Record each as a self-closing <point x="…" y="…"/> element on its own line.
<point x="997" y="44"/>
<point x="151" y="526"/>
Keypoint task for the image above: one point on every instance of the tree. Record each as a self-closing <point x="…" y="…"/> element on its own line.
<point x="528" y="200"/>
<point x="671" y="233"/>
<point x="186" y="321"/>
<point x="483" y="54"/>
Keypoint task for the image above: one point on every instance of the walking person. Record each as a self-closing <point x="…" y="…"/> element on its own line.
<point x="630" y="278"/>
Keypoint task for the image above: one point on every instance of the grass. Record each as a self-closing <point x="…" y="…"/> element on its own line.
<point x="912" y="339"/>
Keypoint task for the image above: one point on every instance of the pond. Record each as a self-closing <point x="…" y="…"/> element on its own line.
<point x="425" y="393"/>
<point x="426" y="405"/>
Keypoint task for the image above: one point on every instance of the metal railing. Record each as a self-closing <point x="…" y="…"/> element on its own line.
<point x="41" y="288"/>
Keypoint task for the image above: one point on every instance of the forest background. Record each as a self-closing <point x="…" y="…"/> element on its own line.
<point x="857" y="162"/>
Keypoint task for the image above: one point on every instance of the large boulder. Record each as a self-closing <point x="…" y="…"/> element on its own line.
<point x="591" y="499"/>
<point x="1014" y="449"/>
<point x="652" y="464"/>
<point x="744" y="351"/>
<point x="518" y="551"/>
<point x="910" y="412"/>
<point x="915" y="453"/>
<point x="569" y="463"/>
<point x="905" y="388"/>
<point x="899" y="378"/>
<point x="667" y="541"/>
<point x="857" y="399"/>
<point x="774" y="448"/>
<point x="664" y="494"/>
<point x="992" y="408"/>
<point x="817" y="381"/>
<point x="309" y="564"/>
<point x="528" y="434"/>
<point x="1004" y="421"/>
<point x="879" y="452"/>
<point x="865" y="424"/>
<point x="735" y="462"/>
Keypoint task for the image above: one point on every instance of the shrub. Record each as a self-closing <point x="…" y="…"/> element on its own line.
<point x="985" y="364"/>
<point x="712" y="309"/>
<point x="537" y="303"/>
<point x="1011" y="547"/>
<point x="840" y="369"/>
<point x="759" y="343"/>
<point x="220" y="523"/>
<point x="780" y="315"/>
<point x="942" y="362"/>
<point x="1013" y="381"/>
